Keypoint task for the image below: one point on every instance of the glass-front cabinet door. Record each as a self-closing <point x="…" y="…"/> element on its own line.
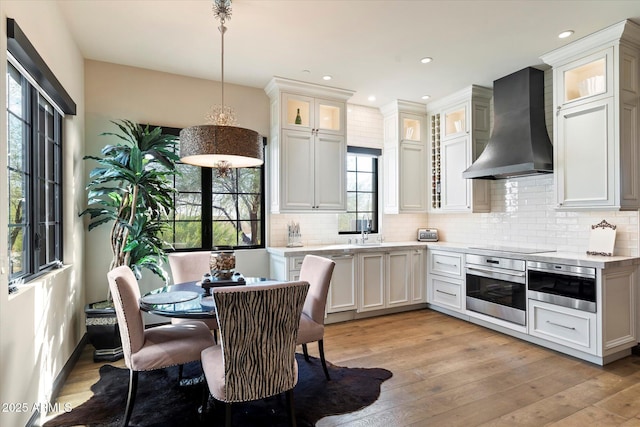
<point x="307" y="113"/>
<point x="330" y="116"/>
<point x="297" y="112"/>
<point x="455" y="122"/>
<point x="411" y="128"/>
<point x="587" y="78"/>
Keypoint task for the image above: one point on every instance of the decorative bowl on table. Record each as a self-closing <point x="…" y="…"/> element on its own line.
<point x="222" y="264"/>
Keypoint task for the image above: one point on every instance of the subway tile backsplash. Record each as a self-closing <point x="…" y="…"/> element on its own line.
<point x="523" y="214"/>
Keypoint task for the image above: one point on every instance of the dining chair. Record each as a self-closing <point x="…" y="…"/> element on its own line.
<point x="190" y="267"/>
<point x="258" y="327"/>
<point x="153" y="348"/>
<point x="317" y="271"/>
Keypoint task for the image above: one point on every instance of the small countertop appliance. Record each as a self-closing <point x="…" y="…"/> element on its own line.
<point x="427" y="235"/>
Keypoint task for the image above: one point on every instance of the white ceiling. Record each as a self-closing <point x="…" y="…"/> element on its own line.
<point x="372" y="47"/>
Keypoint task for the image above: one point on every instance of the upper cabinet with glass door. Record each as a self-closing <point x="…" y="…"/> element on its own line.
<point x="454" y="122"/>
<point x="315" y="114"/>
<point x="587" y="79"/>
<point x="411" y="128"/>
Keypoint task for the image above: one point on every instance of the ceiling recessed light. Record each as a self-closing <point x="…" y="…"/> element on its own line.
<point x="371" y="98"/>
<point x="425" y="96"/>
<point x="426" y="60"/>
<point x="327" y="77"/>
<point x="565" y="34"/>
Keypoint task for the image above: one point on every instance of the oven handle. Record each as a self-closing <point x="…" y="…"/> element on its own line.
<point x="505" y="272"/>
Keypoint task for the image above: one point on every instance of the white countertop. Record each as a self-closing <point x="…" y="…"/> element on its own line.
<point x="344" y="248"/>
<point x="571" y="258"/>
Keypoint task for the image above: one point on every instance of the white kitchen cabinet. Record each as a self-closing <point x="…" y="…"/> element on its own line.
<point x="418" y="276"/>
<point x="342" y="291"/>
<point x="304" y="185"/>
<point x="596" y="99"/>
<point x="618" y="308"/>
<point x="460" y="129"/>
<point x="566" y="326"/>
<point x="404" y="158"/>
<point x="315" y="114"/>
<point x="445" y="280"/>
<point x="371" y="281"/>
<point x="388" y="279"/>
<point x="307" y="147"/>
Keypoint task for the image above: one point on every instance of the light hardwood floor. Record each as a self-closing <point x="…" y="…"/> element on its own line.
<point x="447" y="372"/>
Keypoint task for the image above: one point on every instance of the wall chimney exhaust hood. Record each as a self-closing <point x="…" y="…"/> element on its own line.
<point x="519" y="144"/>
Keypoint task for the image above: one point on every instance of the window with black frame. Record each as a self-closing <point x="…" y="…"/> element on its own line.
<point x="362" y="192"/>
<point x="34" y="169"/>
<point x="217" y="212"/>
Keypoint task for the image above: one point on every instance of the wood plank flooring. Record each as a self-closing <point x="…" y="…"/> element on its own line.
<point x="447" y="372"/>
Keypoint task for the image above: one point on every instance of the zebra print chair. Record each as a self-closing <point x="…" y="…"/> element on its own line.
<point x="153" y="348"/>
<point x="258" y="326"/>
<point x="317" y="271"/>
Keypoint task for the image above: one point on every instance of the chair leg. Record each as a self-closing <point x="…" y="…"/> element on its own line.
<point x="306" y="352"/>
<point x="292" y="410"/>
<point x="131" y="398"/>
<point x="227" y="414"/>
<point x="322" y="359"/>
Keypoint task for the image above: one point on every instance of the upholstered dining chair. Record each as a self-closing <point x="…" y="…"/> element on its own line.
<point x="153" y="348"/>
<point x="258" y="327"/>
<point x="317" y="271"/>
<point x="190" y="267"/>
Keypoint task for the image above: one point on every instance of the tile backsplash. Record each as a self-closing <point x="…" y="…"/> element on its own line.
<point x="522" y="214"/>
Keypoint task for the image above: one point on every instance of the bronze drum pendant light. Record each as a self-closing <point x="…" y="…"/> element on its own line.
<point x="220" y="144"/>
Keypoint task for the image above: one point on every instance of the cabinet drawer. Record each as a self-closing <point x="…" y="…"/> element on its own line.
<point x="447" y="263"/>
<point x="295" y="262"/>
<point x="445" y="293"/>
<point x="566" y="326"/>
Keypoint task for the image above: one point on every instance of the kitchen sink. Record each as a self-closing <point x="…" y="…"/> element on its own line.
<point x="368" y="244"/>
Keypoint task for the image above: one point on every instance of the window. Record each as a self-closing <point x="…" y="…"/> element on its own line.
<point x="362" y="192"/>
<point x="36" y="104"/>
<point x="215" y="212"/>
<point x="34" y="135"/>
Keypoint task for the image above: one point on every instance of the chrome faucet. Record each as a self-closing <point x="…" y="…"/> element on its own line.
<point x="365" y="228"/>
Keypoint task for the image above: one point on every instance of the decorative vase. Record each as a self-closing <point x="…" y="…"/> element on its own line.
<point x="222" y="264"/>
<point x="103" y="332"/>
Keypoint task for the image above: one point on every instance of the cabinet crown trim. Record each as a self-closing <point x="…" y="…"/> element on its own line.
<point x="464" y="95"/>
<point x="627" y="30"/>
<point x="280" y="84"/>
<point x="401" y="106"/>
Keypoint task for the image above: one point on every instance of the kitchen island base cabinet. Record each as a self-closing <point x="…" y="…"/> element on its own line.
<point x="565" y="326"/>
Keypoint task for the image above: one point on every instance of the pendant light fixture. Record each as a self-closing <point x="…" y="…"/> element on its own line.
<point x="220" y="144"/>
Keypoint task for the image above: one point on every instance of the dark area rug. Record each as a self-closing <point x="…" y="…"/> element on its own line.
<point x="161" y="401"/>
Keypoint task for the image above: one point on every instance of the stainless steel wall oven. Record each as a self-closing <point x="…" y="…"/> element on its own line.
<point x="497" y="287"/>
<point x="565" y="285"/>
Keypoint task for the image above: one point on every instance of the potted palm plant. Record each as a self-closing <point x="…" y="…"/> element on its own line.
<point x="131" y="191"/>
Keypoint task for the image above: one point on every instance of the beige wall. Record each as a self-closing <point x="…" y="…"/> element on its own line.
<point x="119" y="92"/>
<point x="41" y="325"/>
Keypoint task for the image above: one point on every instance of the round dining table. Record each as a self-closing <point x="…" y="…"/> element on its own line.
<point x="191" y="299"/>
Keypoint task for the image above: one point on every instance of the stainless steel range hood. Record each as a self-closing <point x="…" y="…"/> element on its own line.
<point x="519" y="143"/>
